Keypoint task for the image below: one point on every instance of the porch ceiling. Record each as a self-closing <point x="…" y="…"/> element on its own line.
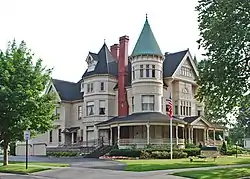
<point x="143" y="117"/>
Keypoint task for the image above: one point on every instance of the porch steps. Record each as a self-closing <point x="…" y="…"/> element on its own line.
<point x="100" y="151"/>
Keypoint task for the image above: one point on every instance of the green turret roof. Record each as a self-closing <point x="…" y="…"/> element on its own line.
<point x="146" y="43"/>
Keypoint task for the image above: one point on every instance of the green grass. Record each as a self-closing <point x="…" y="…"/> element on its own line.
<point x="151" y="165"/>
<point x="231" y="173"/>
<point x="19" y="167"/>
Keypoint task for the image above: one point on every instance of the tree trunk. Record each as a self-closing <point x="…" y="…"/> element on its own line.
<point x="5" y="153"/>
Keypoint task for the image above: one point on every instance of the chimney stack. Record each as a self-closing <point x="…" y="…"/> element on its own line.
<point x="115" y="51"/>
<point x="122" y="76"/>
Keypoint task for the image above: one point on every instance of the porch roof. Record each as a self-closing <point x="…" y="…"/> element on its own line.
<point x="70" y="130"/>
<point x="141" y="117"/>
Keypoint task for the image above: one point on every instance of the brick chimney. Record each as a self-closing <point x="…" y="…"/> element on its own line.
<point x="115" y="51"/>
<point x="122" y="76"/>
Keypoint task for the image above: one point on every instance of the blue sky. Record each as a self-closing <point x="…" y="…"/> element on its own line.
<point x="62" y="32"/>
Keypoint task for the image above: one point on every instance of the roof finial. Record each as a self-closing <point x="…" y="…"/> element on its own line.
<point x="146" y="16"/>
<point x="104" y="40"/>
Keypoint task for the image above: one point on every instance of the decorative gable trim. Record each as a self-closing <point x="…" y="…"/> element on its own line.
<point x="52" y="86"/>
<point x="201" y="119"/>
<point x="188" y="55"/>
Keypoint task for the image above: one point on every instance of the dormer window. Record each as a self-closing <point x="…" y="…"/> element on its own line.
<point x="91" y="63"/>
<point x="82" y="87"/>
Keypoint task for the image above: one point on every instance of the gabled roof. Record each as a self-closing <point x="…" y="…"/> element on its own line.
<point x="68" y="91"/>
<point x="190" y="119"/>
<point x="106" y="63"/>
<point x="172" y="61"/>
<point x="146" y="43"/>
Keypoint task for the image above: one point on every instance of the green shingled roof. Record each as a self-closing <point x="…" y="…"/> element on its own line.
<point x="146" y="43"/>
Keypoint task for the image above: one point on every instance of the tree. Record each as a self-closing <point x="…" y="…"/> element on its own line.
<point x="224" y="73"/>
<point x="23" y="104"/>
<point x="223" y="149"/>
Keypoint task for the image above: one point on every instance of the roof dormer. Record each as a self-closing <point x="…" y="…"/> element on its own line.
<point x="91" y="63"/>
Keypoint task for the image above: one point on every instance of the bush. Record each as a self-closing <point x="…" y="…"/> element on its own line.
<point x="167" y="155"/>
<point x="192" y="152"/>
<point x="125" y="152"/>
<point x="190" y="146"/>
<point x="145" y="154"/>
<point x="62" y="154"/>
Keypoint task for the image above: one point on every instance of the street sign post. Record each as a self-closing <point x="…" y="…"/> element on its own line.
<point x="27" y="138"/>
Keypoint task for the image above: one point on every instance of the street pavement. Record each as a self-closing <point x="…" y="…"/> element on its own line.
<point x="84" y="168"/>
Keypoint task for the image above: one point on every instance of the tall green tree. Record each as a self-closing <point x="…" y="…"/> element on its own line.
<point x="23" y="104"/>
<point x="224" y="73"/>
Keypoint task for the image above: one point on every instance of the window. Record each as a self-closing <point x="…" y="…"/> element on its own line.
<point x="133" y="104"/>
<point x="147" y="70"/>
<point x="90" y="87"/>
<point x="141" y="71"/>
<point x="81" y="135"/>
<point x="74" y="137"/>
<point x="199" y="112"/>
<point x="79" y="112"/>
<point x="185" y="108"/>
<point x="50" y="136"/>
<point x="176" y="110"/>
<point x="59" y="135"/>
<point x="147" y="102"/>
<point x="82" y="86"/>
<point x="102" y="107"/>
<point x="90" y="108"/>
<point x="57" y="112"/>
<point x="133" y="73"/>
<point x="162" y="104"/>
<point x="186" y="71"/>
<point x="153" y="71"/>
<point x="102" y="86"/>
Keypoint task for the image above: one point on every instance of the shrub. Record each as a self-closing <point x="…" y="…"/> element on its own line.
<point x="62" y="154"/>
<point x="125" y="152"/>
<point x="145" y="154"/>
<point x="189" y="145"/>
<point x="223" y="149"/>
<point x="192" y="152"/>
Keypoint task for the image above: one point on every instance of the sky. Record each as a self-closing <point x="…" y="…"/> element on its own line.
<point x="62" y="32"/>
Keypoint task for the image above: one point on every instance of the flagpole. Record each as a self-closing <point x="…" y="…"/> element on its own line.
<point x="171" y="142"/>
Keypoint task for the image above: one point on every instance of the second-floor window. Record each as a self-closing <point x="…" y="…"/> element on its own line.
<point x="79" y="112"/>
<point x="133" y="73"/>
<point x="148" y="102"/>
<point x="141" y="71"/>
<point x="90" y="87"/>
<point x="90" y="108"/>
<point x="133" y="104"/>
<point x="185" y="108"/>
<point x="59" y="135"/>
<point x="147" y="70"/>
<point x="153" y="71"/>
<point x="102" y="86"/>
<point x="51" y="136"/>
<point x="102" y="107"/>
<point x="57" y="112"/>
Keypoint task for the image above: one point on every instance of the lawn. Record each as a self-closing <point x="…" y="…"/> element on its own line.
<point x="151" y="165"/>
<point x="231" y="173"/>
<point x="19" y="167"/>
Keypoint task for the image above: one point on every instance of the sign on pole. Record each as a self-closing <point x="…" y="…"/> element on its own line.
<point x="27" y="138"/>
<point x="26" y="135"/>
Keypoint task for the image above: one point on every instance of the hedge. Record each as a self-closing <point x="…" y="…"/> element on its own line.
<point x="177" y="153"/>
<point x="62" y="154"/>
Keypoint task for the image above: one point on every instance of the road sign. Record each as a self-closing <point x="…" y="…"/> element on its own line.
<point x="26" y="135"/>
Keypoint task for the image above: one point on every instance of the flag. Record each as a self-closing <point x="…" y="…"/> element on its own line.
<point x="170" y="107"/>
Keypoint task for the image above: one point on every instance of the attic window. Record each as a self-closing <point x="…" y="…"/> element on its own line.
<point x="91" y="63"/>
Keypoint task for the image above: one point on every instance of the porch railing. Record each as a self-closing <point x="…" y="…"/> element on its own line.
<point x="151" y="141"/>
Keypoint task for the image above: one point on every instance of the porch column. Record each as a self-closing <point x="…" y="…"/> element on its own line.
<point x="189" y="135"/>
<point x="207" y="134"/>
<point x="148" y="138"/>
<point x="214" y="137"/>
<point x="111" y="136"/>
<point x="176" y="134"/>
<point x="204" y="136"/>
<point x="192" y="134"/>
<point x="183" y="133"/>
<point x="72" y="137"/>
<point x="118" y="135"/>
<point x="96" y="132"/>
